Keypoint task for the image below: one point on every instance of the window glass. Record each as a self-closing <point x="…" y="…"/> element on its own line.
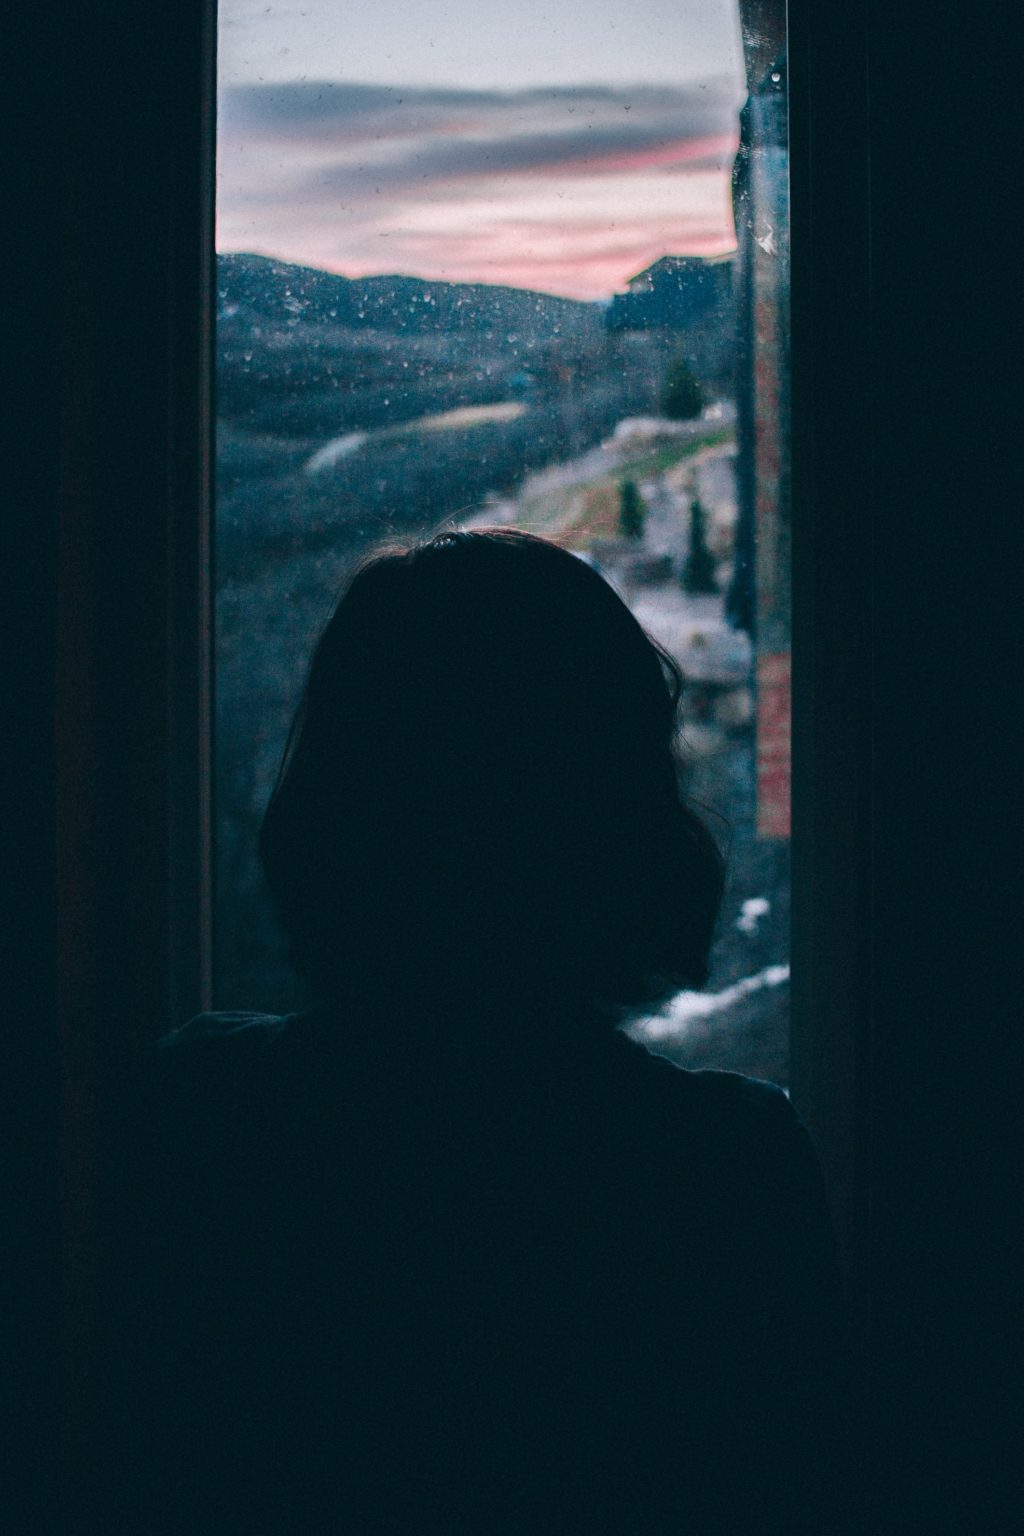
<point x="530" y="273"/>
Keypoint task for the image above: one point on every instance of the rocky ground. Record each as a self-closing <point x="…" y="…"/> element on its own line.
<point x="741" y="1021"/>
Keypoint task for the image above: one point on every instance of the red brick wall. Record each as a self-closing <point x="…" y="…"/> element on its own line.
<point x="773" y="744"/>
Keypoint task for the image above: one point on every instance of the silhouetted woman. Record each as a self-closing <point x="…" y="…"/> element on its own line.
<point x="449" y="1252"/>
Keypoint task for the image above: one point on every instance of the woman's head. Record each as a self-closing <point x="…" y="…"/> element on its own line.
<point x="480" y="798"/>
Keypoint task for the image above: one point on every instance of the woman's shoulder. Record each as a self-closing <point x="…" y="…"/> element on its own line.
<point x="217" y="1050"/>
<point x="217" y="1093"/>
<point x="719" y="1135"/>
<point x="717" y="1100"/>
<point x="726" y="1164"/>
<point x="244" y="1034"/>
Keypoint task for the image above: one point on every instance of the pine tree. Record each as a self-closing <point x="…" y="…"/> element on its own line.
<point x="682" y="398"/>
<point x="699" y="570"/>
<point x="631" y="511"/>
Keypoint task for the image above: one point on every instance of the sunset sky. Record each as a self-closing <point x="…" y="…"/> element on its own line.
<point x="560" y="146"/>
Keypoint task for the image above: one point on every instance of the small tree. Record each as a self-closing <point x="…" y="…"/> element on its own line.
<point x="631" y="511"/>
<point x="682" y="397"/>
<point x="699" y="570"/>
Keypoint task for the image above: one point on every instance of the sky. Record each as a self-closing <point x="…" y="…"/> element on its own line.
<point x="561" y="146"/>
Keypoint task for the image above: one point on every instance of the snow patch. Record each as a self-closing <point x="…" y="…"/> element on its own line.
<point x="685" y="1007"/>
<point x="468" y="416"/>
<point x="751" y="914"/>
<point x="337" y="448"/>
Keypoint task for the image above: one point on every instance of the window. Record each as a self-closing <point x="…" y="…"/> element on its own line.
<point x="534" y="274"/>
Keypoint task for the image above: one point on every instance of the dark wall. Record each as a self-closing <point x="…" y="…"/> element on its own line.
<point x="906" y="567"/>
<point x="946" y="784"/>
<point x="103" y="576"/>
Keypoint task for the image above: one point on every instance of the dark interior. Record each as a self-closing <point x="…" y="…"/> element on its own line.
<point x="903" y="141"/>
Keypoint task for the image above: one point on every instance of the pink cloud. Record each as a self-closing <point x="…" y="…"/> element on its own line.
<point x="560" y="264"/>
<point x="689" y="153"/>
<point x="567" y="193"/>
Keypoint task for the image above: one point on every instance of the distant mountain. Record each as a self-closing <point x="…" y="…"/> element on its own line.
<point x="304" y="354"/>
<point x="258" y="288"/>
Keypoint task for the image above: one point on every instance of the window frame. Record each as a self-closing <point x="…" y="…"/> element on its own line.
<point x="833" y="579"/>
<point x="832" y="570"/>
<point x="830" y="227"/>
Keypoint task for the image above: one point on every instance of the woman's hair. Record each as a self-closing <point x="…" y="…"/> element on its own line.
<point x="480" y="797"/>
